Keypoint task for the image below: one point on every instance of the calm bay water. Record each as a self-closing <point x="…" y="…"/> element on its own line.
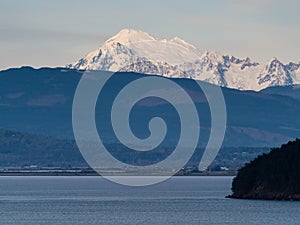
<point x="93" y="200"/>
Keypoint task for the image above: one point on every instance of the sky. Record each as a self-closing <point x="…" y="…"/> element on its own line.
<point x="57" y="32"/>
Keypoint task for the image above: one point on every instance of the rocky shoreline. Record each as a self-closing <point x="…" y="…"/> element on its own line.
<point x="266" y="196"/>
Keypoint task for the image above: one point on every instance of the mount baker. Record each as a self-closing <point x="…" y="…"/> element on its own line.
<point x="136" y="51"/>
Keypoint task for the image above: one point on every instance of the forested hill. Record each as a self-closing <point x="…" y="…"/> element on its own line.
<point x="275" y="175"/>
<point x="21" y="149"/>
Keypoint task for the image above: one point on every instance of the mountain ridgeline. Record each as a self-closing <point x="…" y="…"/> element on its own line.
<point x="39" y="101"/>
<point x="272" y="176"/>
<point x="137" y="51"/>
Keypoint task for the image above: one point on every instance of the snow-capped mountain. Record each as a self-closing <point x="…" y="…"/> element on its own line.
<point x="137" y="51"/>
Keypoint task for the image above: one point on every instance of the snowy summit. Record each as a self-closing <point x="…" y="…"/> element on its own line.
<point x="137" y="51"/>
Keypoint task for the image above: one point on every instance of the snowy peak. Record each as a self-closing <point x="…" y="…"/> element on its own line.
<point x="274" y="67"/>
<point x="130" y="46"/>
<point x="126" y="36"/>
<point x="275" y="73"/>
<point x="137" y="51"/>
<point x="179" y="41"/>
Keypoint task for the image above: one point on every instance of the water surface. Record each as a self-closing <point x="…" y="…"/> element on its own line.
<point x="93" y="200"/>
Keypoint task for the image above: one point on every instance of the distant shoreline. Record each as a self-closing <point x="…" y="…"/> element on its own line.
<point x="92" y="173"/>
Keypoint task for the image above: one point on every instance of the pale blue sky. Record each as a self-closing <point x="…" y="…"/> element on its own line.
<point x="57" y="32"/>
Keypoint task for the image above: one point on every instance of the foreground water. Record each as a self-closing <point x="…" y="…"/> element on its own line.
<point x="93" y="200"/>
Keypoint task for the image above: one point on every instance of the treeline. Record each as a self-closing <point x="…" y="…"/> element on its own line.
<point x="24" y="149"/>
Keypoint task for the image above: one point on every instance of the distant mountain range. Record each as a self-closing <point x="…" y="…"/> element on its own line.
<point x="262" y="101"/>
<point x="39" y="101"/>
<point x="137" y="51"/>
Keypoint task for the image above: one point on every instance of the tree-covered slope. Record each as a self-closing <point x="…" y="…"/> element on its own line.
<point x="271" y="176"/>
<point x="21" y="149"/>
